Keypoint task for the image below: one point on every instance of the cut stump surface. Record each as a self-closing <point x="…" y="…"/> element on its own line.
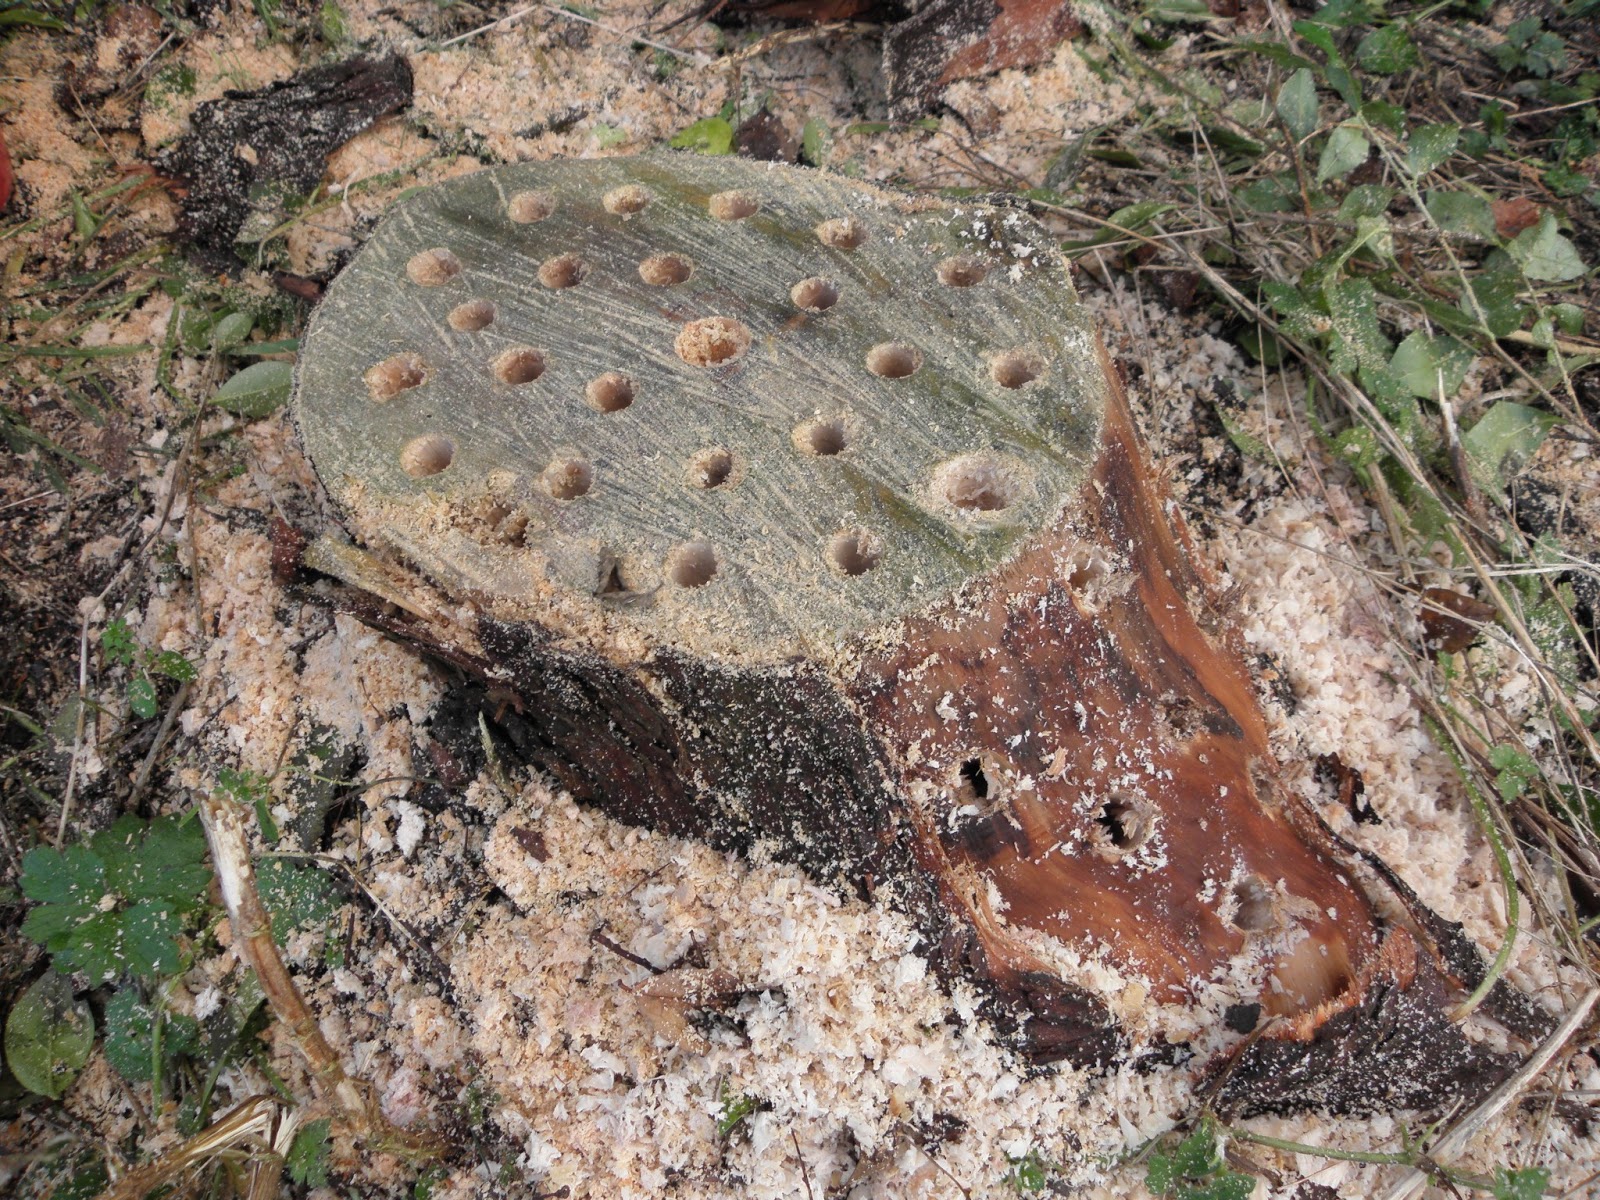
<point x="795" y="512"/>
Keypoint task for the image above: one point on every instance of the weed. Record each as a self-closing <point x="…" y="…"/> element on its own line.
<point x="145" y="667"/>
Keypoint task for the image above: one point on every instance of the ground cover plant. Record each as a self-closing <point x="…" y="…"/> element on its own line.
<point x="1391" y="212"/>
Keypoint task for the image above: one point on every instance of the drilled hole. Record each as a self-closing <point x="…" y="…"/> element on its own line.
<point x="842" y="233"/>
<point x="431" y="268"/>
<point x="1088" y="570"/>
<point x="855" y="551"/>
<point x="527" y="207"/>
<point x="394" y="375"/>
<point x="975" y="484"/>
<point x="822" y="436"/>
<point x="1123" y="825"/>
<point x="626" y="200"/>
<point x="471" y="316"/>
<point x="1016" y="368"/>
<point x="427" y="455"/>
<point x="665" y="270"/>
<point x="609" y="393"/>
<point x="568" y="478"/>
<point x="893" y="360"/>
<point x="1253" y="909"/>
<point x="815" y="294"/>
<point x="711" y="468"/>
<point x="973" y="783"/>
<point x="962" y="270"/>
<point x="563" y="271"/>
<point x="518" y="366"/>
<point x="692" y="564"/>
<point x="711" y="341"/>
<point x="733" y="206"/>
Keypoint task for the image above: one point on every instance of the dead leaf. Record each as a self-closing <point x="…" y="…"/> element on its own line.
<point x="1450" y="620"/>
<point x="1511" y="217"/>
<point x="1352" y="789"/>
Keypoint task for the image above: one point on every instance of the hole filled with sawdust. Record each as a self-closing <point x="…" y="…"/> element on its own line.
<point x="665" y="270"/>
<point x="427" y="455"/>
<point x="626" y="200"/>
<point x="527" y="207"/>
<point x="431" y="268"/>
<point x="1253" y="909"/>
<point x="733" y="206"/>
<point x="815" y="294"/>
<point x="711" y="468"/>
<point x="519" y="365"/>
<point x="711" y="341"/>
<point x="609" y="393"/>
<point x="975" y="484"/>
<point x="568" y="478"/>
<point x="692" y="564"/>
<point x="842" y="233"/>
<point x="1121" y="825"/>
<point x="563" y="271"/>
<point x="962" y="270"/>
<point x="1016" y="368"/>
<point x="471" y="316"/>
<point x="394" y="375"/>
<point x="855" y="551"/>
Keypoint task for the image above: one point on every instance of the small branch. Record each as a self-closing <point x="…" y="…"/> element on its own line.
<point x="252" y="938"/>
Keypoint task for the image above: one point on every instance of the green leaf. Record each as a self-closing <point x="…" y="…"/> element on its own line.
<point x="130" y="1035"/>
<point x="1366" y="200"/>
<point x="71" y="876"/>
<point x="231" y="330"/>
<point x="1515" y="770"/>
<point x="296" y="894"/>
<point x="607" y="136"/>
<point x="1424" y="364"/>
<point x="1429" y="146"/>
<point x="1273" y="51"/>
<point x="149" y="943"/>
<point x="1132" y="219"/>
<point x="713" y="135"/>
<point x="1297" y="104"/>
<point x="1175" y="12"/>
<point x="307" y="1160"/>
<point x="734" y="1110"/>
<point x="142" y="697"/>
<point x="816" y="140"/>
<point x="1498" y="294"/>
<point x="173" y="665"/>
<point x="1503" y="440"/>
<point x="1525" y="1183"/>
<point x="48" y="1036"/>
<point x="258" y="390"/>
<point x="118" y="644"/>
<point x="52" y="925"/>
<point x="1387" y="51"/>
<point x="1359" y="341"/>
<point x="1346" y="149"/>
<point x="1544" y="254"/>
<point x="1358" y="446"/>
<point x="1461" y="212"/>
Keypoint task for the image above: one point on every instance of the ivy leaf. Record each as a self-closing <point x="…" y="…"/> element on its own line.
<point x="1387" y="51"/>
<point x="1544" y="254"/>
<point x="713" y="135"/>
<point x="1497" y="294"/>
<point x="1360" y="344"/>
<point x="48" y="1036"/>
<point x="1297" y="104"/>
<point x="1429" y="146"/>
<point x="1346" y="149"/>
<point x="172" y="665"/>
<point x="1366" y="200"/>
<point x="257" y="391"/>
<point x="142" y="699"/>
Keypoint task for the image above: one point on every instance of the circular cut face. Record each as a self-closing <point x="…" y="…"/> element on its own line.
<point x="752" y="411"/>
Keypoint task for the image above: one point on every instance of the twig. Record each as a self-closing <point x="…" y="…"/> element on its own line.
<point x="252" y="937"/>
<point x="1452" y="1144"/>
<point x="511" y="18"/>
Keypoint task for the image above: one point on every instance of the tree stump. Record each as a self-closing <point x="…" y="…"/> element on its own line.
<point x="786" y="510"/>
